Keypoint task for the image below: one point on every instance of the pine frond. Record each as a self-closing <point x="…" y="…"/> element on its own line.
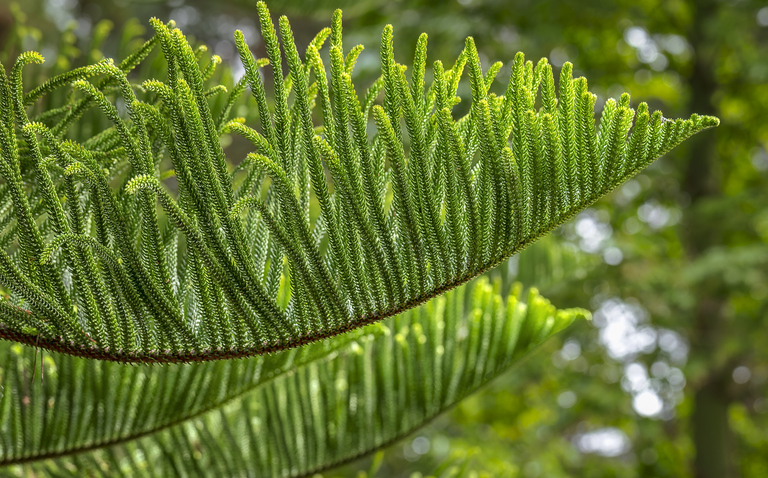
<point x="288" y="414"/>
<point x="85" y="246"/>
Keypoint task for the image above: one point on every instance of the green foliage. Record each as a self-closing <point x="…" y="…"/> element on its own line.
<point x="287" y="414"/>
<point x="238" y="262"/>
<point x="467" y="193"/>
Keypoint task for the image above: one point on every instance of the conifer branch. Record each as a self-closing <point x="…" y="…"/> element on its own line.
<point x="467" y="192"/>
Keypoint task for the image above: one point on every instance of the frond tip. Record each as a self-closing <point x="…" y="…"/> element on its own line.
<point x="323" y="229"/>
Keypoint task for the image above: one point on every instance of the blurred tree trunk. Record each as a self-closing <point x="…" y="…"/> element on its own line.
<point x="6" y="23"/>
<point x="711" y="434"/>
<point x="709" y="422"/>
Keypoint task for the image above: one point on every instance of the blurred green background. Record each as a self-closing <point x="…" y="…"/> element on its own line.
<point x="671" y="377"/>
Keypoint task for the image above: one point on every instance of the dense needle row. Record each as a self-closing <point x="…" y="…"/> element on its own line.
<point x="420" y="206"/>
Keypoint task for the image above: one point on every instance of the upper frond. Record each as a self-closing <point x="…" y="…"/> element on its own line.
<point x="385" y="202"/>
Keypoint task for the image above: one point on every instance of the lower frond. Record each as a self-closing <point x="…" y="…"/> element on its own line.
<point x="302" y="414"/>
